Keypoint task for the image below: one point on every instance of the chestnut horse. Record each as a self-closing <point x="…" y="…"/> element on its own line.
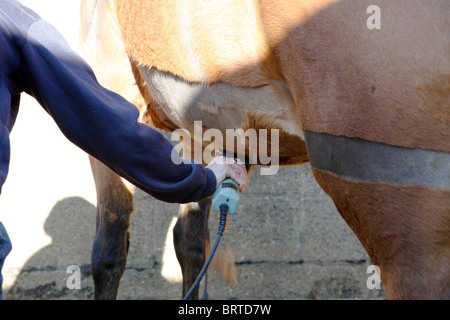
<point x="360" y="91"/>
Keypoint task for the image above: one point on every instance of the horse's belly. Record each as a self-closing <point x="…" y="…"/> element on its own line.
<point x="224" y="106"/>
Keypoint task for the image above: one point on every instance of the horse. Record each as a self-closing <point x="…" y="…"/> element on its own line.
<point x="359" y="91"/>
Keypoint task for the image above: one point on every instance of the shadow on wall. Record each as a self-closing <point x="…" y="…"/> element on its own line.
<point x="71" y="225"/>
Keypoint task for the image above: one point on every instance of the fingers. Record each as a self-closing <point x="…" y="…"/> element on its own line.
<point x="238" y="173"/>
<point x="229" y="168"/>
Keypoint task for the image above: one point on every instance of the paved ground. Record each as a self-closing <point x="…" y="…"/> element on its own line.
<point x="288" y="240"/>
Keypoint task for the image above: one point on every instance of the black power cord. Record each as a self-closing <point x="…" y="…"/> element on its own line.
<point x="222" y="224"/>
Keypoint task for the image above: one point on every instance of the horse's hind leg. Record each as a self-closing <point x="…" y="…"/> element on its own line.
<point x="110" y="249"/>
<point x="190" y="234"/>
<point x="405" y="229"/>
<point x="190" y="237"/>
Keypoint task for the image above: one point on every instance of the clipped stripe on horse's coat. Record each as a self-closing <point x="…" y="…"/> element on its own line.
<point x="364" y="160"/>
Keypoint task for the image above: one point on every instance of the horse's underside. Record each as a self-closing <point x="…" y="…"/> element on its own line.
<point x="369" y="108"/>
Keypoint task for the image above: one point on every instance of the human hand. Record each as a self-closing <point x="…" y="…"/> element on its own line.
<point x="224" y="167"/>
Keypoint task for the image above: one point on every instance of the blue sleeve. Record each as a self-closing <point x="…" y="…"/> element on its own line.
<point x="5" y="249"/>
<point x="104" y="124"/>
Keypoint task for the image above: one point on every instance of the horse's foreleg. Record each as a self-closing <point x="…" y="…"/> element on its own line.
<point x="109" y="254"/>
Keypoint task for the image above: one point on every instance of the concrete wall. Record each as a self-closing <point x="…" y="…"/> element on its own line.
<point x="288" y="240"/>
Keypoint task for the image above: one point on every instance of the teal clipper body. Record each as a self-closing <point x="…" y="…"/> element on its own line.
<point x="226" y="193"/>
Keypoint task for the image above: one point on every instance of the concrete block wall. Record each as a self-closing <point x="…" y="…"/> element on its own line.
<point x="288" y="240"/>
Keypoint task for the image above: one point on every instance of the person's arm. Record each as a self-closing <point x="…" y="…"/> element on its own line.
<point x="104" y="124"/>
<point x="5" y="249"/>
